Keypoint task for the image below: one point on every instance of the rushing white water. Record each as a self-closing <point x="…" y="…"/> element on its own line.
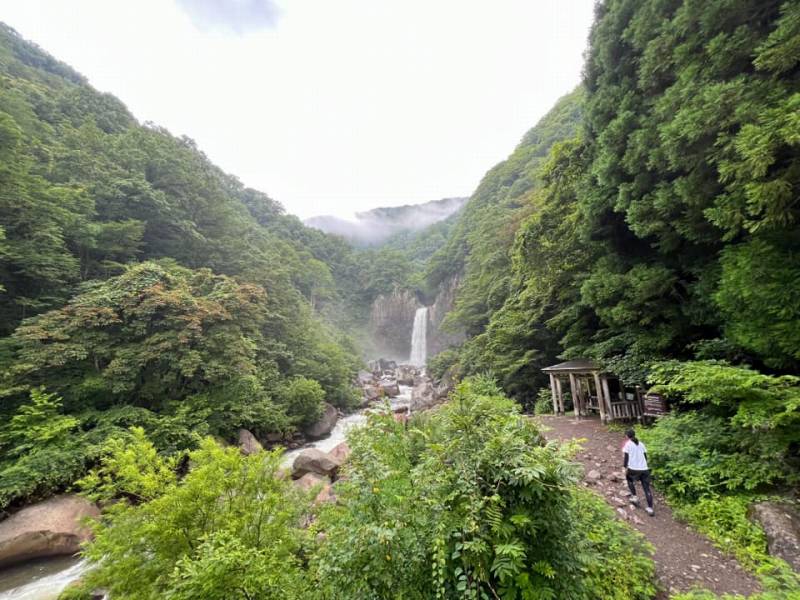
<point x="419" y="338"/>
<point x="40" y="580"/>
<point x="343" y="425"/>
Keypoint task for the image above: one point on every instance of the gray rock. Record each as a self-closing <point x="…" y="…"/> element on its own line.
<point x="50" y="528"/>
<point x="423" y="397"/>
<point x="406" y="375"/>
<point x="274" y="437"/>
<point x="372" y="393"/>
<point x="390" y="388"/>
<point x="387" y="365"/>
<point x="781" y="524"/>
<point x="594" y="475"/>
<point x="313" y="460"/>
<point x="326" y="423"/>
<point x="309" y="480"/>
<point x="248" y="443"/>
<point x="341" y="452"/>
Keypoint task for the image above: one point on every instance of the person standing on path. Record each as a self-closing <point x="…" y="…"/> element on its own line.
<point x="635" y="463"/>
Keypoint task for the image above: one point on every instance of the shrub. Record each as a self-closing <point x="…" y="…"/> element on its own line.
<point x="747" y="423"/>
<point x="40" y="451"/>
<point x="228" y="530"/>
<point x="544" y="402"/>
<point x="469" y="502"/>
<point x="441" y="363"/>
<point x="303" y="399"/>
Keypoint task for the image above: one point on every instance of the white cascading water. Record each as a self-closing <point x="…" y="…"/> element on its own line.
<point x="40" y="580"/>
<point x="419" y="338"/>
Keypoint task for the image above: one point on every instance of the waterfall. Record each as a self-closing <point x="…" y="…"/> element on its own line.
<point x="419" y="339"/>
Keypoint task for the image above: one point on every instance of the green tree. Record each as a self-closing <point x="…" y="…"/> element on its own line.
<point x="228" y="529"/>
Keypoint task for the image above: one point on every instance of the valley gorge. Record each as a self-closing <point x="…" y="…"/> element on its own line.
<point x="203" y="396"/>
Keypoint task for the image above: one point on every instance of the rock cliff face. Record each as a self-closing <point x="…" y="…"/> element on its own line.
<point x="439" y="340"/>
<point x="391" y="321"/>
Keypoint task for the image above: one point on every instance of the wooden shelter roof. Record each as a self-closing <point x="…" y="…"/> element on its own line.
<point x="573" y="366"/>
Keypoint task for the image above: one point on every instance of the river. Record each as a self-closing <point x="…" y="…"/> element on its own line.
<point x="42" y="579"/>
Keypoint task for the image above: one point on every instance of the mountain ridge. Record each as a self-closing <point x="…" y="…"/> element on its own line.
<point x="375" y="226"/>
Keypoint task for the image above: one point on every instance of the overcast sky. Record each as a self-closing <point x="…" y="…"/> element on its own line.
<point x="329" y="106"/>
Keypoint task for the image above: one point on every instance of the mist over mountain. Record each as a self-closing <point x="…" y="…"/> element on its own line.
<point x="373" y="227"/>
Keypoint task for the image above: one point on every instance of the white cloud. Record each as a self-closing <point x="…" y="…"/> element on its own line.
<point x="343" y="105"/>
<point x="236" y="16"/>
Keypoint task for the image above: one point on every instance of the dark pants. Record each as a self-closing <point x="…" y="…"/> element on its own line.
<point x="632" y="476"/>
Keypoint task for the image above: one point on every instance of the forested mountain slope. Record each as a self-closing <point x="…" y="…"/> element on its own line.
<point x="477" y="252"/>
<point x="662" y="240"/>
<point x="668" y="225"/>
<point x="142" y="285"/>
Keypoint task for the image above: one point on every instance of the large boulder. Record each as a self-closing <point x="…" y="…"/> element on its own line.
<point x="372" y="393"/>
<point x="248" y="443"/>
<point x="387" y="365"/>
<point x="445" y="386"/>
<point x="50" y="528"/>
<point x="341" y="452"/>
<point x="406" y="375"/>
<point x="423" y="396"/>
<point x="312" y="460"/>
<point x="326" y="423"/>
<point x="365" y="377"/>
<point x="390" y="388"/>
<point x="309" y="480"/>
<point x="781" y="524"/>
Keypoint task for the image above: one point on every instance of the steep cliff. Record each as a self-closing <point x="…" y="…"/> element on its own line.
<point x="390" y="323"/>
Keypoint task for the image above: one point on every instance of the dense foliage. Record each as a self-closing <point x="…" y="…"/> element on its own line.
<point x="661" y="239"/>
<point x="732" y="441"/>
<point x="466" y="502"/>
<point x="469" y="502"/>
<point x="715" y="448"/>
<point x="667" y="228"/>
<point x="229" y="529"/>
<point x="143" y="286"/>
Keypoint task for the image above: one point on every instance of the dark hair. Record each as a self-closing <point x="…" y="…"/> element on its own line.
<point x="632" y="436"/>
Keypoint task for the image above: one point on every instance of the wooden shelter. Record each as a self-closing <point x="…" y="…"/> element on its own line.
<point x="592" y="390"/>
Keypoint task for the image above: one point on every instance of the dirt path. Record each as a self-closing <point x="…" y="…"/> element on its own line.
<point x="684" y="558"/>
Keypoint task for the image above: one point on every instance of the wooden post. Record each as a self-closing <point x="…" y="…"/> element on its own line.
<point x="601" y="403"/>
<point x="573" y="387"/>
<point x="560" y="396"/>
<point x="553" y="392"/>
<point x="639" y="400"/>
<point x="607" y="393"/>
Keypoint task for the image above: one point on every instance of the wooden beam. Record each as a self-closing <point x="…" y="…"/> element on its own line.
<point x="601" y="403"/>
<point x="639" y="400"/>
<point x="560" y="396"/>
<point x="606" y="392"/>
<point x="553" y="393"/>
<point x="573" y="388"/>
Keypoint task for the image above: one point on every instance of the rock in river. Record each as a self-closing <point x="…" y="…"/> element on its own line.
<point x="312" y="460"/>
<point x="326" y="423"/>
<point x="49" y="528"/>
<point x="248" y="443"/>
<point x="390" y="387"/>
<point x="341" y="452"/>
